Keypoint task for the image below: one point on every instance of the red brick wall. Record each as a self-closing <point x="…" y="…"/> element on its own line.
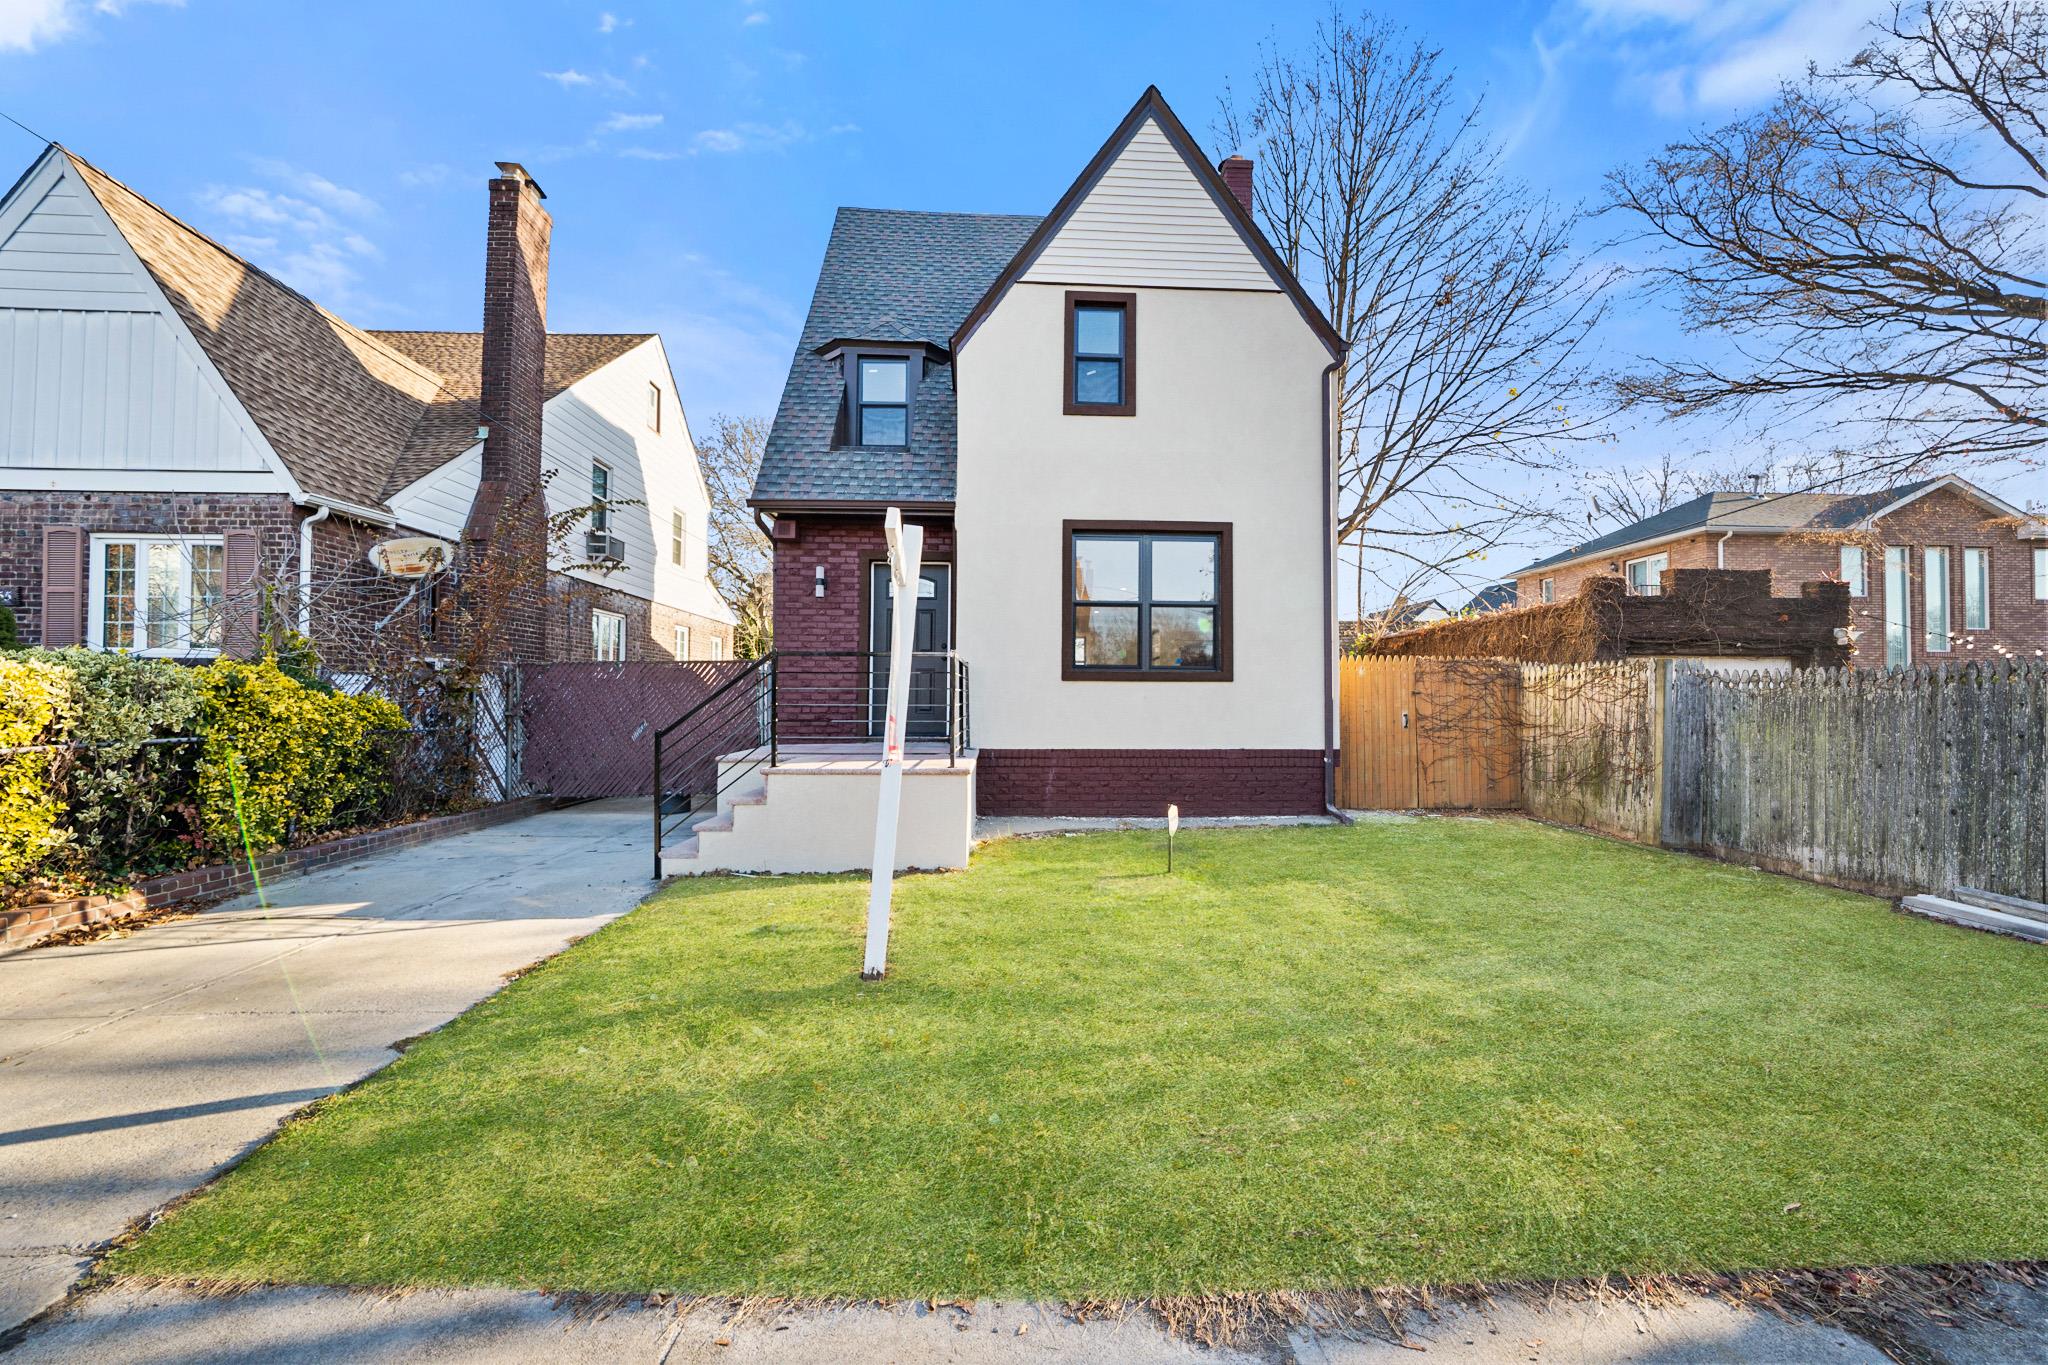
<point x="2019" y="623"/>
<point x="24" y="515"/>
<point x="650" y="626"/>
<point x="1113" y="782"/>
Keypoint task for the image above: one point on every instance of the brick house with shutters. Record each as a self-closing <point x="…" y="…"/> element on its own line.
<point x="189" y="439"/>
<point x="1938" y="570"/>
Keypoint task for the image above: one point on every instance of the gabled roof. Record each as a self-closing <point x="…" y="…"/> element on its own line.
<point x="1153" y="105"/>
<point x="889" y="277"/>
<point x="1766" y="513"/>
<point x="1492" y="597"/>
<point x="336" y="404"/>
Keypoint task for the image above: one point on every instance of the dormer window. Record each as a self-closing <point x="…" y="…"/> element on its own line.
<point x="1101" y="349"/>
<point x="882" y="405"/>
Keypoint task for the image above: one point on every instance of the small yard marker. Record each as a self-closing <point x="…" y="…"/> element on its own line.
<point x="1172" y="828"/>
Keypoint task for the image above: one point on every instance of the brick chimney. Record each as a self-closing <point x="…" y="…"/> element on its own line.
<point x="1237" y="173"/>
<point x="509" y="518"/>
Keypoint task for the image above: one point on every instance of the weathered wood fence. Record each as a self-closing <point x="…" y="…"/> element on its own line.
<point x="1904" y="781"/>
<point x="1914" y="780"/>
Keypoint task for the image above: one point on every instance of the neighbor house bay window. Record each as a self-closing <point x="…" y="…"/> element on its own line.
<point x="883" y="409"/>
<point x="156" y="594"/>
<point x="1101" y="378"/>
<point x="1147" y="601"/>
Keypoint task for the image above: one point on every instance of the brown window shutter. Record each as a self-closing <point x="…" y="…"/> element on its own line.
<point x="63" y="586"/>
<point x="240" y="632"/>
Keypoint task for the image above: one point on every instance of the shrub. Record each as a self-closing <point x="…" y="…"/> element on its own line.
<point x="36" y="708"/>
<point x="132" y="803"/>
<point x="300" y="755"/>
<point x="10" y="632"/>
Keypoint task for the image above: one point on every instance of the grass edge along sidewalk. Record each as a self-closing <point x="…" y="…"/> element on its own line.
<point x="1416" y="1052"/>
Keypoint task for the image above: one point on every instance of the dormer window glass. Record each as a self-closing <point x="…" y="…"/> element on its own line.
<point x="1100" y="348"/>
<point x="883" y="402"/>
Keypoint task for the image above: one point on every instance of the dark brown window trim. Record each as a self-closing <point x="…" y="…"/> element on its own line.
<point x="1225" y="613"/>
<point x="1127" y="408"/>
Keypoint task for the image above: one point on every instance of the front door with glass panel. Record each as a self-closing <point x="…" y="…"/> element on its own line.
<point x="934" y="636"/>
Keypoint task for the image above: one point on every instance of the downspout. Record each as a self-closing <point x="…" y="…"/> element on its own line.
<point x="306" y="568"/>
<point x="1329" y="424"/>
<point x="1721" y="550"/>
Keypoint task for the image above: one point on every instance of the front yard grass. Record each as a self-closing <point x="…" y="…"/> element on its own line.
<point x="1410" y="1051"/>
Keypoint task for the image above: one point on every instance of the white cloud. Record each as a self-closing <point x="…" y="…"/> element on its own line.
<point x="1684" y="57"/>
<point x="749" y="137"/>
<point x="566" y="79"/>
<point x="302" y="225"/>
<point x="26" y="25"/>
<point x="319" y="188"/>
<point x="842" y="129"/>
<point x="757" y="17"/>
<point x="630" y="123"/>
<point x="648" y="154"/>
<point x="608" y="22"/>
<point x="424" y="177"/>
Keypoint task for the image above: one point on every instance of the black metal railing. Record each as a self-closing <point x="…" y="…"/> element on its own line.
<point x="813" y="703"/>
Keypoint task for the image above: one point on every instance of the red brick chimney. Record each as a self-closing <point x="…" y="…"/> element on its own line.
<point x="510" y="514"/>
<point x="1237" y="173"/>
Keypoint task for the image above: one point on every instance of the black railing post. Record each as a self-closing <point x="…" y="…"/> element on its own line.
<point x="657" y="805"/>
<point x="774" y="711"/>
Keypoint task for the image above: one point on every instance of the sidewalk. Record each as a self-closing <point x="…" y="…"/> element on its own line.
<point x="133" y="1069"/>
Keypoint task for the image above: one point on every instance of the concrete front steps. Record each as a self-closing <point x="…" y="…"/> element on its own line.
<point x="1985" y="910"/>
<point x="814" y="811"/>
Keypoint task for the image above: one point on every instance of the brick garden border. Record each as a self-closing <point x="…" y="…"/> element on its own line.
<point x="24" y="927"/>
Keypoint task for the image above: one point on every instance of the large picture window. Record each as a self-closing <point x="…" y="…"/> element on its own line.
<point x="1101" y="354"/>
<point x="158" y="595"/>
<point x="1646" y="575"/>
<point x="1147" y="601"/>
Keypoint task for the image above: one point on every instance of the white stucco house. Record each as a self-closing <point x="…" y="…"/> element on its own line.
<point x="1113" y="423"/>
<point x="179" y="425"/>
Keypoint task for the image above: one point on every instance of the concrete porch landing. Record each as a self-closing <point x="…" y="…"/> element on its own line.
<point x="814" y="811"/>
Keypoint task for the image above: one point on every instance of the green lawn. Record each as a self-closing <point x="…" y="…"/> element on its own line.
<point x="1409" y="1051"/>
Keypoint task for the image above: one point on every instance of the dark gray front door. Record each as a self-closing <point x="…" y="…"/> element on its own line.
<point x="934" y="636"/>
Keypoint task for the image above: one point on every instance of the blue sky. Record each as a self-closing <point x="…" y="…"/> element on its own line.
<point x="693" y="153"/>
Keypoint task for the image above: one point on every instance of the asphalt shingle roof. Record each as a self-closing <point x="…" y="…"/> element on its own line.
<point x="1741" y="512"/>
<point x="895" y="276"/>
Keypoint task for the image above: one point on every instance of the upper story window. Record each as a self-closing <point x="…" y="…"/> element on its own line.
<point x="1546" y="588"/>
<point x="1101" y="364"/>
<point x="2040" y="574"/>
<point x="1646" y="575"/>
<point x="654" y="407"/>
<point x="678" y="533"/>
<point x="1976" y="589"/>
<point x="157" y="594"/>
<point x="1852" y="571"/>
<point x="882" y="404"/>
<point x="1147" y="601"/>
<point x="600" y="496"/>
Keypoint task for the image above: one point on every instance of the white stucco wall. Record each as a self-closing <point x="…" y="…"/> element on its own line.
<point x="1228" y="429"/>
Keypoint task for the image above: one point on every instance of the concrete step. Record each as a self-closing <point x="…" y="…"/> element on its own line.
<point x="2004" y="904"/>
<point x="1977" y="917"/>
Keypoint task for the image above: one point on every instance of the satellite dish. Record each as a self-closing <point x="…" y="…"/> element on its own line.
<point x="411" y="556"/>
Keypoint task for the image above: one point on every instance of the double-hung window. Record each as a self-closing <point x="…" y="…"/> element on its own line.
<point x="682" y="642"/>
<point x="1852" y="571"/>
<point x="678" y="534"/>
<point x="654" y="407"/>
<point x="1646" y="575"/>
<point x="1147" y="601"/>
<point x="157" y="595"/>
<point x="600" y="496"/>
<point x="1976" y="589"/>
<point x="1101" y="378"/>
<point x="882" y="405"/>
<point x="1546" y="588"/>
<point x="607" y="636"/>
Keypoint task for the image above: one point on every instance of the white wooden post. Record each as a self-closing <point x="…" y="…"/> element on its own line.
<point x="906" y="558"/>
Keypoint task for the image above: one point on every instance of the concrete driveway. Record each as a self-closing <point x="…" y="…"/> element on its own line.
<point x="133" y="1069"/>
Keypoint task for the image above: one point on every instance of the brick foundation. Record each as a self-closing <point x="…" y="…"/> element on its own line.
<point x="22" y="927"/>
<point x="1145" y="781"/>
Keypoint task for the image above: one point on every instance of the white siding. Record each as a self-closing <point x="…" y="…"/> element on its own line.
<point x="101" y="385"/>
<point x="439" y="503"/>
<point x="604" y="417"/>
<point x="1148" y="220"/>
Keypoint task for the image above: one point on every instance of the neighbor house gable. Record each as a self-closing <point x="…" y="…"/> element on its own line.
<point x="111" y="390"/>
<point x="1150" y="210"/>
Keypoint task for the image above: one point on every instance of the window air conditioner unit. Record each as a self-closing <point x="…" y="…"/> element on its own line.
<point x="603" y="547"/>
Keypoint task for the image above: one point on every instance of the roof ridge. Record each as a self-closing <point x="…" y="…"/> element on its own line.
<point x="175" y="221"/>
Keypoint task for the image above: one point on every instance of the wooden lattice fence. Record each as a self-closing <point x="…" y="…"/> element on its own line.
<point x="1917" y="780"/>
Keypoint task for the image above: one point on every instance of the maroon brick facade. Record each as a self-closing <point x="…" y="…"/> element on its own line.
<point x="2018" y="626"/>
<point x="510" y="516"/>
<point x="1145" y="781"/>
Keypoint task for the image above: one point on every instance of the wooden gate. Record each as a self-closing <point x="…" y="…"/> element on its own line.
<point x="1428" y="734"/>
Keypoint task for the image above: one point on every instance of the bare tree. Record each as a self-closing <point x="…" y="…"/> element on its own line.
<point x="1457" y="291"/>
<point x="738" y="557"/>
<point x="1870" y="246"/>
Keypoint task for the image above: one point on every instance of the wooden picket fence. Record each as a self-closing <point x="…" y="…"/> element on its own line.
<point x="1917" y="780"/>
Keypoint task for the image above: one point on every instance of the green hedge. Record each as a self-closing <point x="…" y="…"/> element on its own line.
<point x="132" y="766"/>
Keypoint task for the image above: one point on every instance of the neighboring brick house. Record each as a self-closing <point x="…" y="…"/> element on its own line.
<point x="188" y="439"/>
<point x="1124" y="409"/>
<point x="1938" y="570"/>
